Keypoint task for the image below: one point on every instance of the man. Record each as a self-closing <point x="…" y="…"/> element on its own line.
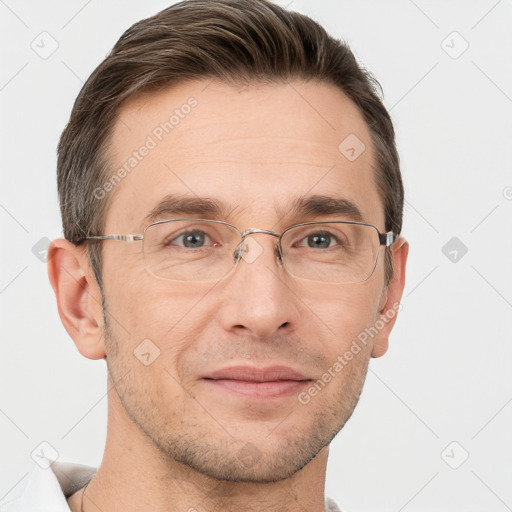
<point x="232" y="206"/>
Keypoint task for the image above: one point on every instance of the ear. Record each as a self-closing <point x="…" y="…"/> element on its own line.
<point x="391" y="296"/>
<point x="78" y="296"/>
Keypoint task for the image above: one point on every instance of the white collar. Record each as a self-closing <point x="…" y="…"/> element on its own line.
<point x="47" y="490"/>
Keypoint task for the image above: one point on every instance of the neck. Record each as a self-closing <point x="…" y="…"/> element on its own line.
<point x="135" y="475"/>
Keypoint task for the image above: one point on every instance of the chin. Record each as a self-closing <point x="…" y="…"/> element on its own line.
<point x="270" y="458"/>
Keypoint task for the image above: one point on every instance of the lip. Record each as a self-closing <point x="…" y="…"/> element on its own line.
<point x="258" y="383"/>
<point x="253" y="374"/>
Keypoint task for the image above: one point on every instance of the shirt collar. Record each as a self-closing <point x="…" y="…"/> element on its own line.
<point x="49" y="486"/>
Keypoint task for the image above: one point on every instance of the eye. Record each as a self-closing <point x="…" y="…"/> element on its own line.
<point x="192" y="239"/>
<point x="319" y="240"/>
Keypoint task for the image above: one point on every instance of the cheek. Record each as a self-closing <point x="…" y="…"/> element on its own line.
<point x="135" y="298"/>
<point x="341" y="313"/>
<point x="170" y="315"/>
<point x="347" y="348"/>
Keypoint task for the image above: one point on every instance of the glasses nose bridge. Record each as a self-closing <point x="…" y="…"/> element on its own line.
<point x="252" y="231"/>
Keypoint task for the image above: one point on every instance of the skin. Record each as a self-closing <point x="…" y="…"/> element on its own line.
<point x="173" y="442"/>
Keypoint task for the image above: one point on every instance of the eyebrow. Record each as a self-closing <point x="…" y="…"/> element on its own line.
<point x="183" y="205"/>
<point x="318" y="205"/>
<point x="301" y="207"/>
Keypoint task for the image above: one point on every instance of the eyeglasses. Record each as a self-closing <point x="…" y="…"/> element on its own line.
<point x="198" y="250"/>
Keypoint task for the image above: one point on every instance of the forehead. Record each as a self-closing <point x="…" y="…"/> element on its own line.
<point x="255" y="150"/>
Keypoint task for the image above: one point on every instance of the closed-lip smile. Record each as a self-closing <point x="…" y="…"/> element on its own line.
<point x="258" y="383"/>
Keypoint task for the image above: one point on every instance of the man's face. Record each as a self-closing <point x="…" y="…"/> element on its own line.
<point x="254" y="150"/>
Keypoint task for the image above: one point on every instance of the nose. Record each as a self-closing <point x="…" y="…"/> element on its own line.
<point x="259" y="297"/>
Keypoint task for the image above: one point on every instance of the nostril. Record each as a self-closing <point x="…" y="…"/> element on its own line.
<point x="283" y="325"/>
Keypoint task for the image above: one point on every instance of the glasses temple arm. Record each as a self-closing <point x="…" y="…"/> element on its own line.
<point x="122" y="238"/>
<point x="388" y="238"/>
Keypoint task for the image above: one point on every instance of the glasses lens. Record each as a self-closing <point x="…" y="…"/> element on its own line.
<point x="190" y="250"/>
<point x="331" y="252"/>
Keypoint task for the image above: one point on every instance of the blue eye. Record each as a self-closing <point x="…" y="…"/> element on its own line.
<point x="191" y="239"/>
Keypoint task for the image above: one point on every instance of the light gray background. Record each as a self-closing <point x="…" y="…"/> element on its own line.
<point x="447" y="374"/>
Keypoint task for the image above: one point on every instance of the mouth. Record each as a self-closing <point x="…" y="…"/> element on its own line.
<point x="258" y="383"/>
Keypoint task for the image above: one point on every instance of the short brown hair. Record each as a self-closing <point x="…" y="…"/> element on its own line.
<point x="236" y="41"/>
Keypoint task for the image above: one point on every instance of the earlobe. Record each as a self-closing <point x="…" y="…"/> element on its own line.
<point x="78" y="297"/>
<point x="390" y="301"/>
